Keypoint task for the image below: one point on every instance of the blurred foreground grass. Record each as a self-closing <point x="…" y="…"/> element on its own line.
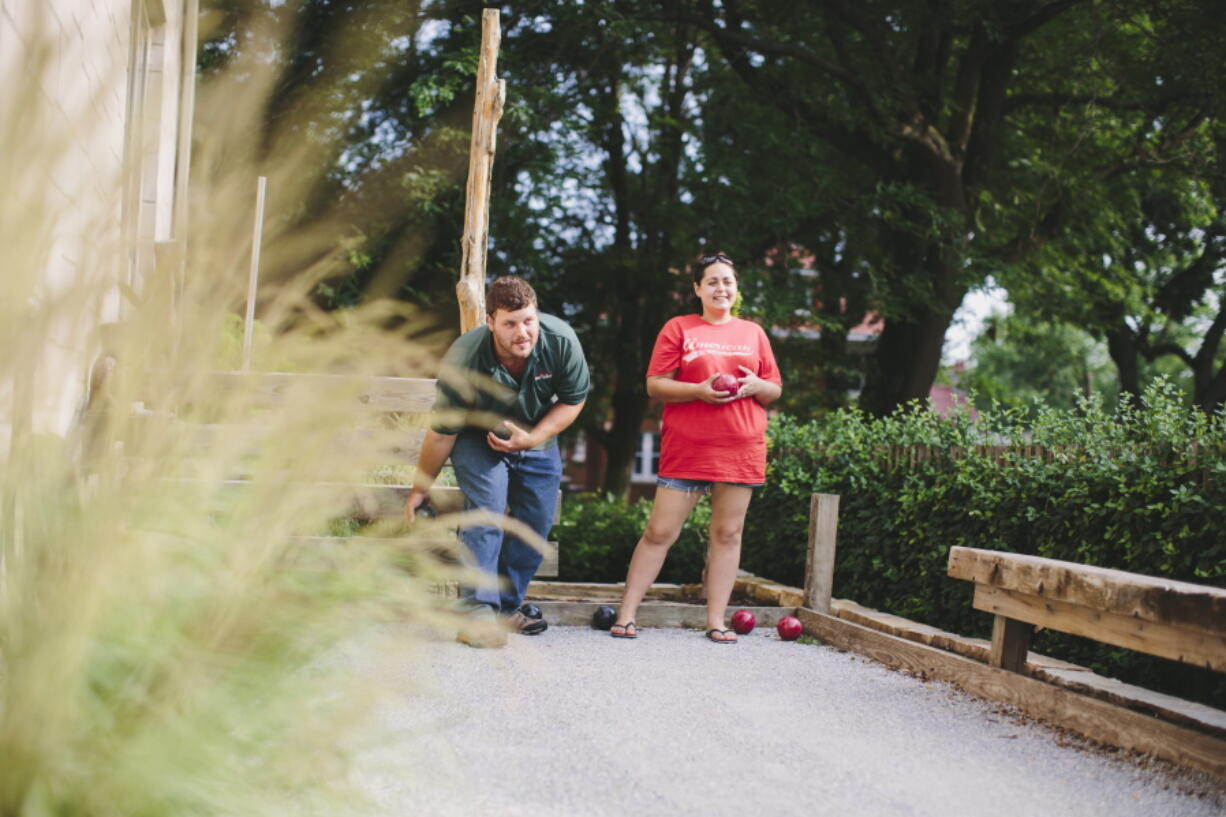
<point x="163" y="639"/>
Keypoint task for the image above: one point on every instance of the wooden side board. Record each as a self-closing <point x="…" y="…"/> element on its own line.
<point x="768" y="592"/>
<point x="603" y="593"/>
<point x="1095" y="719"/>
<point x="389" y="418"/>
<point x="383" y="394"/>
<point x="373" y="502"/>
<point x="1179" y="604"/>
<point x="652" y="613"/>
<point x="1191" y="646"/>
<point x="448" y="546"/>
<point x="368" y="447"/>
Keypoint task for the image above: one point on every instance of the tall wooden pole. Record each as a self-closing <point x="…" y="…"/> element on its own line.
<point x="487" y="111"/>
<point x="253" y="277"/>
<point x="183" y="155"/>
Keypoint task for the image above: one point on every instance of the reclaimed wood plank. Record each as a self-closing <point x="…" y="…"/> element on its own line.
<point x="1155" y="638"/>
<point x="601" y="592"/>
<point x="376" y="394"/>
<point x="445" y="545"/>
<point x="652" y="613"/>
<point x="338" y="448"/>
<point x="1180" y="604"/>
<point x="765" y="590"/>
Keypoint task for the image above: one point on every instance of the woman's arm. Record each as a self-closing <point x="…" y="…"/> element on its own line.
<point x="764" y="391"/>
<point x="668" y="389"/>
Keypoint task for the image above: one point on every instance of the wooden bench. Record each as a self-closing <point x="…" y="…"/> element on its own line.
<point x="389" y="418"/>
<point x="1176" y="620"/>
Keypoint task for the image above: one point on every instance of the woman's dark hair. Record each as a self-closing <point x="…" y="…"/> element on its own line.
<point x="510" y="294"/>
<point x="705" y="261"/>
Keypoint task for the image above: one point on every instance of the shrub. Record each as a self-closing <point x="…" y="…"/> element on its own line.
<point x="1137" y="488"/>
<point x="596" y="536"/>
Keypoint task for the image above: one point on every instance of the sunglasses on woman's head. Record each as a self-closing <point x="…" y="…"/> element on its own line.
<point x="718" y="257"/>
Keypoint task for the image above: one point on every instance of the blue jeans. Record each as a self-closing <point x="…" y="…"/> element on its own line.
<point x="524" y="485"/>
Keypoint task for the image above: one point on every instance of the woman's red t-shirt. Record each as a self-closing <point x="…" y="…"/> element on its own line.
<point x="720" y="443"/>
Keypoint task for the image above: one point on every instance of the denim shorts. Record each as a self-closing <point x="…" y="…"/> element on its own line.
<point x="700" y="485"/>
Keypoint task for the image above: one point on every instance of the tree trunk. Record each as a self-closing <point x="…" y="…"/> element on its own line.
<point x="635" y="267"/>
<point x="905" y="363"/>
<point x="908" y="352"/>
<point x="1212" y="396"/>
<point x="629" y="406"/>
<point x="1122" y="346"/>
<point x="1210" y="385"/>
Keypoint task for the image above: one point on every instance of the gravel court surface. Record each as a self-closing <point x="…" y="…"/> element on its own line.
<point x="574" y="722"/>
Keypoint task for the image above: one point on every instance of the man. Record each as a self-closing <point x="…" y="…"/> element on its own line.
<point x="502" y="440"/>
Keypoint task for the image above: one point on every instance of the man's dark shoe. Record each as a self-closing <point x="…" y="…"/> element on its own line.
<point x="520" y="622"/>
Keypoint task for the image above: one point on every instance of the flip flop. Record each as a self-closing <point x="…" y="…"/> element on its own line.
<point x="711" y="635"/>
<point x="625" y="630"/>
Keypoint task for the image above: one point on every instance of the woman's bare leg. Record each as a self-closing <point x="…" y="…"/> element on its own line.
<point x="728" y="506"/>
<point x="669" y="511"/>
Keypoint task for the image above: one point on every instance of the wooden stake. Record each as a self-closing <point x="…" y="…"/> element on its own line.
<point x="254" y="277"/>
<point x="183" y="158"/>
<point x="819" y="566"/>
<point x="1010" y="643"/>
<point x="487" y="111"/>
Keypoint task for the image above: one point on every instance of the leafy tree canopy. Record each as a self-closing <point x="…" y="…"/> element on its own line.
<point x="880" y="155"/>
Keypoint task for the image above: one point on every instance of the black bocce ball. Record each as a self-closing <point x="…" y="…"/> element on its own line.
<point x="604" y="617"/>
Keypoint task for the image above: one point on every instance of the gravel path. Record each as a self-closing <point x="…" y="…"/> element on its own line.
<point x="576" y="723"/>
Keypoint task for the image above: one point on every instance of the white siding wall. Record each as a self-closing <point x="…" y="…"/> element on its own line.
<point x="98" y="82"/>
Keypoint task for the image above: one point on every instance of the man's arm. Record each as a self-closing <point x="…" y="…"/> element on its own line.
<point x="555" y="421"/>
<point x="435" y="449"/>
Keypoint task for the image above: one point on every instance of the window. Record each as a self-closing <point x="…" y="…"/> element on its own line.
<point x="646" y="458"/>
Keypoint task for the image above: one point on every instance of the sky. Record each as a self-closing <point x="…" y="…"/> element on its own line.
<point x="968" y="322"/>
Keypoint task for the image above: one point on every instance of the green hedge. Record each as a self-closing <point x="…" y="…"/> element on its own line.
<point x="1139" y="488"/>
<point x="596" y="536"/>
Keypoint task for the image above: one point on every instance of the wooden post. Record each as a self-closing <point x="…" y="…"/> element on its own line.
<point x="819" y="564"/>
<point x="254" y="276"/>
<point x="487" y="111"/>
<point x="1010" y="643"/>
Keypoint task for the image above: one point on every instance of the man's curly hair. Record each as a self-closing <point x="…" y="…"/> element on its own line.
<point x="510" y="294"/>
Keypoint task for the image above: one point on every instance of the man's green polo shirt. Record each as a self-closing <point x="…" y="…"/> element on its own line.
<point x="556" y="372"/>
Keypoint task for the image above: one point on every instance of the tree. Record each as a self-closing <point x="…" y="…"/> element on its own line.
<point x="905" y="151"/>
<point x="952" y="134"/>
<point x="1017" y="361"/>
<point x="588" y="202"/>
<point x="1149" y="279"/>
<point x="379" y="117"/>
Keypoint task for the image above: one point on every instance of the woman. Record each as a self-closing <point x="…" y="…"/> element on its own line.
<point x="713" y="441"/>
